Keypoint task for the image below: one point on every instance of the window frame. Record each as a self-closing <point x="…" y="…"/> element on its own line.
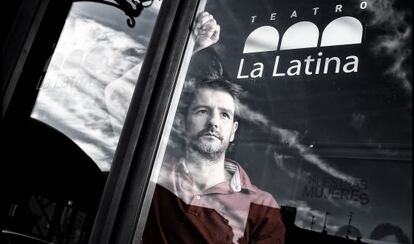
<point x="19" y="91"/>
<point x="126" y="186"/>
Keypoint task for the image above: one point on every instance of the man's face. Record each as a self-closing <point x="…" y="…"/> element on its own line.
<point x="209" y="124"/>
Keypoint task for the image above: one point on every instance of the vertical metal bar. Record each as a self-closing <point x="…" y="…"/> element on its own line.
<point x="129" y="175"/>
<point x="166" y="132"/>
<point x="152" y="129"/>
<point x="11" y="84"/>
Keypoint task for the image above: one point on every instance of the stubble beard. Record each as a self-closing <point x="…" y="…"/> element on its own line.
<point x="210" y="151"/>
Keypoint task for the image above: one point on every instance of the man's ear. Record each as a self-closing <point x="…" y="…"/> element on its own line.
<point x="233" y="133"/>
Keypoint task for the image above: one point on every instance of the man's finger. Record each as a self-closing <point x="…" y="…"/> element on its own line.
<point x="209" y="31"/>
<point x="209" y="24"/>
<point x="216" y="35"/>
<point x="204" y="19"/>
<point x="201" y="15"/>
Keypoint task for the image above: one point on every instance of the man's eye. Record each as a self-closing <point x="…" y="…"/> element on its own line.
<point x="225" y="115"/>
<point x="202" y="111"/>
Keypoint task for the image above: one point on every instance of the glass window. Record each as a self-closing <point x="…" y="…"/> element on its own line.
<point x="91" y="76"/>
<point x="293" y="127"/>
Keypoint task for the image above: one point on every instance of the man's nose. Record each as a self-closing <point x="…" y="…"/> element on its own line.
<point x="214" y="119"/>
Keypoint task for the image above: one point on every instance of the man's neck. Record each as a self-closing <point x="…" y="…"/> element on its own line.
<point x="205" y="172"/>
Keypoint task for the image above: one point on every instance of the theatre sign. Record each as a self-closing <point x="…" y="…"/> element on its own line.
<point x="344" y="30"/>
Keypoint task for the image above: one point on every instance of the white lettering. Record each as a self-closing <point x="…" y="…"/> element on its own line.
<point x="273" y="16"/>
<point x="315" y="10"/>
<point x="294" y="14"/>
<point x="310" y="65"/>
<point x="294" y="69"/>
<point x="275" y="68"/>
<point x="253" y="18"/>
<point x="363" y="5"/>
<point x="239" y="75"/>
<point x="307" y="61"/>
<point x="354" y="64"/>
<point x="257" y="72"/>
<point x="328" y="60"/>
<point x="338" y="8"/>
<point x="318" y="63"/>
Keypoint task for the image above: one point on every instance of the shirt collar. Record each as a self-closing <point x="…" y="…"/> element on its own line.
<point x="239" y="179"/>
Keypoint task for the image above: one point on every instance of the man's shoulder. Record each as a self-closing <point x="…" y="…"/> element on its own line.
<point x="257" y="195"/>
<point x="168" y="173"/>
<point x="262" y="197"/>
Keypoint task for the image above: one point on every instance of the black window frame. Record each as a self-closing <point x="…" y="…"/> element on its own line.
<point x="125" y="189"/>
<point x="41" y="28"/>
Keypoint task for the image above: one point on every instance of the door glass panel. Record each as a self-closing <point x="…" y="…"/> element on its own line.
<point x="323" y="128"/>
<point x="88" y="85"/>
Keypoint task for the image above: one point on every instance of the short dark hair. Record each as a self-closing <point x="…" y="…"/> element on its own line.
<point x="219" y="84"/>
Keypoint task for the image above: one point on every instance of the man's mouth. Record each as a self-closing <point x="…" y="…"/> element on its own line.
<point x="211" y="134"/>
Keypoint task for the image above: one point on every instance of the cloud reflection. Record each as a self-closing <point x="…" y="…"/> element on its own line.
<point x="395" y="42"/>
<point x="92" y="72"/>
<point x="291" y="139"/>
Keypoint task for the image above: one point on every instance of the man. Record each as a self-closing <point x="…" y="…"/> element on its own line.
<point x="204" y="197"/>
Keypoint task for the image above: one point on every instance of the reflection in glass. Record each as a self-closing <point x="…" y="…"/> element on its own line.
<point x="197" y="186"/>
<point x="213" y="194"/>
<point x="334" y="148"/>
<point x="86" y="91"/>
